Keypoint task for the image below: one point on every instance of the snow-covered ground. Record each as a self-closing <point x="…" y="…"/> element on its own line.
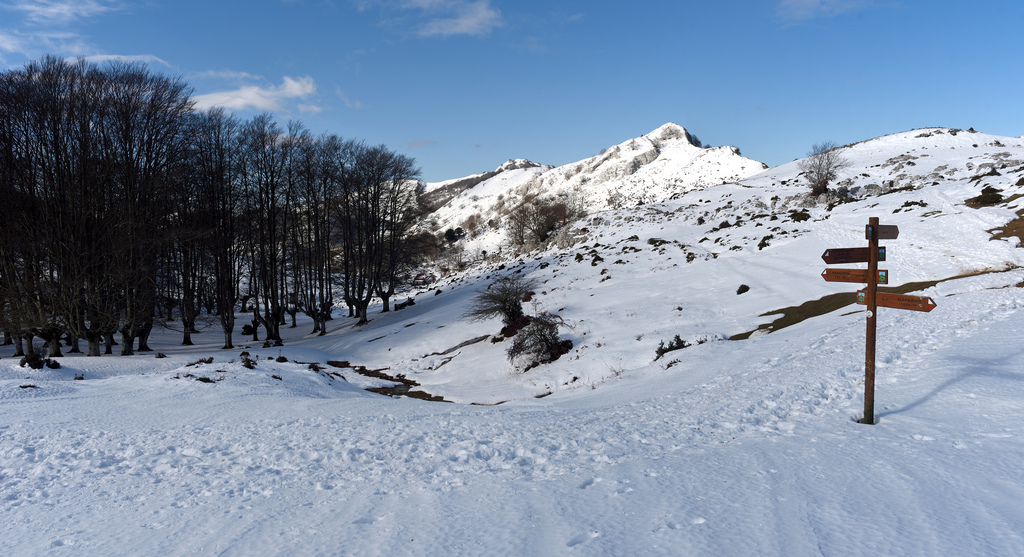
<point x="744" y="447"/>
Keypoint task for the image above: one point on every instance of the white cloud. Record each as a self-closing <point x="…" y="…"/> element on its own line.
<point x="443" y="17"/>
<point x="260" y="98"/>
<point x="61" y="11"/>
<point x="226" y="74"/>
<point x="146" y="58"/>
<point x="469" y="18"/>
<point x="10" y="43"/>
<point x="803" y="10"/>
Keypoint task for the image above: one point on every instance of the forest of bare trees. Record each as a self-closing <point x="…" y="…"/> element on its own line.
<point x="122" y="204"/>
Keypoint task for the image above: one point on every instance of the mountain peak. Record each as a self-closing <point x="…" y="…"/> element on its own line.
<point x="516" y="164"/>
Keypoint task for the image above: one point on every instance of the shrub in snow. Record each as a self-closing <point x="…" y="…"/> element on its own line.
<point x="678" y="343"/>
<point x="247" y="362"/>
<point x="538" y="341"/>
<point x="33" y="360"/>
<point x="503" y="298"/>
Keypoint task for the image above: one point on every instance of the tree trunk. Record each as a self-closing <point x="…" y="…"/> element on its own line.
<point x="227" y="323"/>
<point x="127" y="341"/>
<point x="53" y="347"/>
<point x="93" y="340"/>
<point x="19" y="346"/>
<point x="51" y="336"/>
<point x="255" y="325"/>
<point x="147" y="329"/>
<point x="188" y="320"/>
<point x="361" y="311"/>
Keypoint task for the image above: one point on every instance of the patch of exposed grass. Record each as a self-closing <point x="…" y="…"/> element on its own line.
<point x="989" y="196"/>
<point x="1014" y="228"/>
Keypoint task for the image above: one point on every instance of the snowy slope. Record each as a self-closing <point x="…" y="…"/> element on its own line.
<point x="646" y="169"/>
<point x="722" y="448"/>
<point x="650" y="168"/>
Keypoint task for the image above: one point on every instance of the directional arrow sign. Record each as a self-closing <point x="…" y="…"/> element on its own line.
<point x="853" y="275"/>
<point x="885" y="231"/>
<point x="899" y="301"/>
<point x="839" y="256"/>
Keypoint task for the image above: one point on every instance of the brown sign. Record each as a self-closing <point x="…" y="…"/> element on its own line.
<point x="899" y="301"/>
<point x="853" y="275"/>
<point x="839" y="256"/>
<point x="884" y="231"/>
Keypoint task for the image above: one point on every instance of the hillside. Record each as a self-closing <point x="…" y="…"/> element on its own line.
<point x="662" y="269"/>
<point x="724" y="447"/>
<point x="642" y="170"/>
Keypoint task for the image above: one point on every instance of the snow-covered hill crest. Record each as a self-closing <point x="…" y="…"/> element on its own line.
<point x="651" y="168"/>
<point x="647" y="169"/>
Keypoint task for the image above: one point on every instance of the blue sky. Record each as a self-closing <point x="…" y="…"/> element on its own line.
<point x="463" y="85"/>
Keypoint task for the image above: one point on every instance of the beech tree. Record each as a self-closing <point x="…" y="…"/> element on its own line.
<point x="119" y="199"/>
<point x="215" y="160"/>
<point x="263" y="164"/>
<point x="375" y="194"/>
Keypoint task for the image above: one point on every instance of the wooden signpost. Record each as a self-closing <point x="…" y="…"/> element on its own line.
<point x="853" y="275"/>
<point x="898" y="301"/>
<point x="870" y="296"/>
<point x="850" y="255"/>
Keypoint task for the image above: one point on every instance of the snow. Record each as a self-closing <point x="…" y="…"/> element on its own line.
<point x="722" y="448"/>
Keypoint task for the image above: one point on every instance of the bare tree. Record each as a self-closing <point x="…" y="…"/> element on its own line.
<point x="377" y="190"/>
<point x="263" y="165"/>
<point x="216" y="160"/>
<point x="398" y="217"/>
<point x="822" y="164"/>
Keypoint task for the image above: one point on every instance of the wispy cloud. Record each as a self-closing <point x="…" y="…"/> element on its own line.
<point x="61" y="11"/>
<point x="253" y="97"/>
<point x="466" y="18"/>
<point x="350" y="103"/>
<point x="442" y="18"/>
<point x="802" y="10"/>
<point x="10" y="43"/>
<point x="146" y="58"/>
<point x="421" y="143"/>
<point x="226" y="74"/>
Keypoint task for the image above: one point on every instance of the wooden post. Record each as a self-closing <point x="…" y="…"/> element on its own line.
<point x="869" y="299"/>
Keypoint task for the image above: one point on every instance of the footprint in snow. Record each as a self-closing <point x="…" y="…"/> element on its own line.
<point x="589" y="483"/>
<point x="582" y="538"/>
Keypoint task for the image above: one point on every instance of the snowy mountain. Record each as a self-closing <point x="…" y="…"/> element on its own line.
<point x="716" y="447"/>
<point x="646" y="169"/>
